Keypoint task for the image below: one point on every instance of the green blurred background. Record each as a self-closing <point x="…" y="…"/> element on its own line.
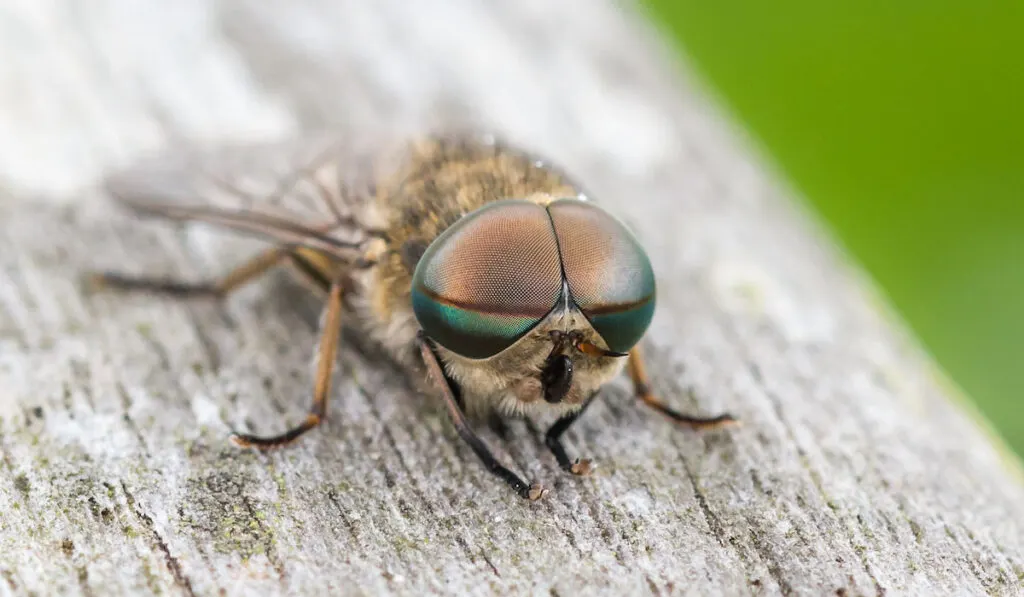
<point x="903" y="124"/>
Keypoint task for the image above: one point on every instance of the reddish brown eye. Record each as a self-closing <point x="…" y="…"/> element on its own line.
<point x="608" y="272"/>
<point x="488" y="279"/>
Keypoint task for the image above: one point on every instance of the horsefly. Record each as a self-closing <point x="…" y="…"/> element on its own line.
<point x="485" y="273"/>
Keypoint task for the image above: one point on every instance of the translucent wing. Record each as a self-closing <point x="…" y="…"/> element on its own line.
<point x="311" y="192"/>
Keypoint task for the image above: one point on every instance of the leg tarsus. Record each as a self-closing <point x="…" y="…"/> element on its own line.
<point x="245" y="440"/>
<point x="97" y="281"/>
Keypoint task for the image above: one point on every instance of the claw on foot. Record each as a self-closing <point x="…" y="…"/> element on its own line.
<point x="240" y="440"/>
<point x="582" y="467"/>
<point x="724" y="421"/>
<point x="537" y="491"/>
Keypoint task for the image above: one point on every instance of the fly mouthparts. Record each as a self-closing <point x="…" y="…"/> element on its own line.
<point x="596" y="351"/>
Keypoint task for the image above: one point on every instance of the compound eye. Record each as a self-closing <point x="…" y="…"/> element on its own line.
<point x="488" y="279"/>
<point x="608" y="272"/>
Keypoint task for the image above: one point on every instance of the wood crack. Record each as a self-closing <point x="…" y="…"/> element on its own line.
<point x="126" y="403"/>
<point x="332" y="495"/>
<point x="173" y="565"/>
<point x="209" y="347"/>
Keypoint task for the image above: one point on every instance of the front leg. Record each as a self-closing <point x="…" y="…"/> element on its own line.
<point x="638" y="373"/>
<point x="553" y="440"/>
<point x="451" y="402"/>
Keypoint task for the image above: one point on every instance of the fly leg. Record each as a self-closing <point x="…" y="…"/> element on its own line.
<point x="330" y="334"/>
<point x="236" y="278"/>
<point x="436" y="373"/>
<point x="553" y="440"/>
<point x="643" y="391"/>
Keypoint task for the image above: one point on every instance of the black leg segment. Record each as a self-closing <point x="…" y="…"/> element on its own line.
<point x="553" y="440"/>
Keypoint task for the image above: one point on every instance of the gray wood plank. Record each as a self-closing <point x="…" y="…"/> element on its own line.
<point x="859" y="471"/>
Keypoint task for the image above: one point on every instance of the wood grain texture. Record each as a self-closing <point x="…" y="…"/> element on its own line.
<point x="857" y="472"/>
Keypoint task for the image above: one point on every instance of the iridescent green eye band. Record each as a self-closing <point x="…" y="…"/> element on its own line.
<point x="471" y="331"/>
<point x="621" y="330"/>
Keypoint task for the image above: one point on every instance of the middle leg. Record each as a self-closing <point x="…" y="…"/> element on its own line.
<point x="330" y="333"/>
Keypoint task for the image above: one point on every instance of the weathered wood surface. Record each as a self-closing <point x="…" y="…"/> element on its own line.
<point x="857" y="470"/>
